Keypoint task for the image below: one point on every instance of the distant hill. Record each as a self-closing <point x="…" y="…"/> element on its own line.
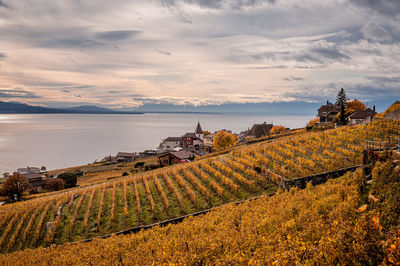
<point x="21" y="108"/>
<point x="91" y="109"/>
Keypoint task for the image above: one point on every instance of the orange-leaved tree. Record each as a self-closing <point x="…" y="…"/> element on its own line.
<point x="224" y="140"/>
<point x="353" y="106"/>
<point x="14" y="186"/>
<point x="312" y="122"/>
<point x="277" y="129"/>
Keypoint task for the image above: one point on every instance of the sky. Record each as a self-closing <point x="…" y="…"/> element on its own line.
<point x="123" y="54"/>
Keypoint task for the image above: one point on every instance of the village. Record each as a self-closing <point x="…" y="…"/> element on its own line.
<point x="192" y="145"/>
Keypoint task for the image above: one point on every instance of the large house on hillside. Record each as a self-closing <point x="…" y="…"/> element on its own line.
<point x="35" y="178"/>
<point x="362" y="117"/>
<point x="260" y="130"/>
<point x="125" y="156"/>
<point x="327" y="112"/>
<point x="28" y="170"/>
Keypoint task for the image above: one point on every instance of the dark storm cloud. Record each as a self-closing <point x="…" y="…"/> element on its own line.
<point x="117" y="35"/>
<point x="17" y="93"/>
<point x="385" y="7"/>
<point x="2" y="55"/>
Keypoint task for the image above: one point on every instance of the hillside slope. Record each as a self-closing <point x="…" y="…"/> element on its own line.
<point x="182" y="189"/>
<point x="319" y="224"/>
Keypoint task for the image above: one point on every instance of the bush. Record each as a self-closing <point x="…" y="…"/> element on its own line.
<point x="125" y="173"/>
<point x="139" y="164"/>
<point x="154" y="166"/>
<point x="278" y="129"/>
<point x="55" y="184"/>
<point x="70" y="179"/>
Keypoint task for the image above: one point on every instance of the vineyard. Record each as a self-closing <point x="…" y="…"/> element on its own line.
<point x="319" y="224"/>
<point x="177" y="190"/>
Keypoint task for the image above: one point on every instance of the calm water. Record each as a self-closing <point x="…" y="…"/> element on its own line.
<point x="63" y="140"/>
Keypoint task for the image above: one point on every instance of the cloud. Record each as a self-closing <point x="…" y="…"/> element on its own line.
<point x="384" y="79"/>
<point x="375" y="32"/>
<point x="275" y="50"/>
<point x="117" y="35"/>
<point x="164" y="52"/>
<point x="218" y="4"/>
<point x="2" y="4"/>
<point x="293" y="78"/>
<point x="17" y="93"/>
<point x="385" y="7"/>
<point x="366" y="91"/>
<point x="320" y="52"/>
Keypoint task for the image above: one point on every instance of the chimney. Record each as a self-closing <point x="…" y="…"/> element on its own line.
<point x="327" y="102"/>
<point x="374" y="108"/>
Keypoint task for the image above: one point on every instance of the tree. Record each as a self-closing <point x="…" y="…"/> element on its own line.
<point x="206" y="132"/>
<point x="341" y="102"/>
<point x="14" y="186"/>
<point x="55" y="184"/>
<point x="224" y="140"/>
<point x="355" y="105"/>
<point x="277" y="129"/>
<point x="341" y="98"/>
<point x="312" y="122"/>
<point x="70" y="179"/>
<point x="43" y="168"/>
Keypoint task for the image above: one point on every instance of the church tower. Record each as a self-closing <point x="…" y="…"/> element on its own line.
<point x="199" y="132"/>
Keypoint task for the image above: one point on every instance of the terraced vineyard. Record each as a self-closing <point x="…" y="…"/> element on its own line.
<point x="182" y="189"/>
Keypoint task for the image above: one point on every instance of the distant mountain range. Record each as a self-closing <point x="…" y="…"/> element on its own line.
<point x="21" y="108"/>
<point x="265" y="108"/>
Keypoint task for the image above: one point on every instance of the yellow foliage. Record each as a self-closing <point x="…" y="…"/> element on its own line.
<point x="355" y="105"/>
<point x="224" y="140"/>
<point x="277" y="129"/>
<point x="318" y="225"/>
<point x="312" y="122"/>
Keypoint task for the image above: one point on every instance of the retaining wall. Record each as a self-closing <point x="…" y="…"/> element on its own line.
<point x="316" y="179"/>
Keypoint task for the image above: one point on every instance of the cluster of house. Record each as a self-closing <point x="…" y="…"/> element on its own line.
<point x="327" y="113"/>
<point x="34" y="175"/>
<point x="175" y="150"/>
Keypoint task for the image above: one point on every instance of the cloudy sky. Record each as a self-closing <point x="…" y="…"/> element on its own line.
<point x="125" y="53"/>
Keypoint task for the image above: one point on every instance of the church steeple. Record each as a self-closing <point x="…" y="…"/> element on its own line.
<point x="199" y="132"/>
<point x="198" y="129"/>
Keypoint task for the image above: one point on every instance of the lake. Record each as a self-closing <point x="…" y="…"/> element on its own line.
<point x="64" y="140"/>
